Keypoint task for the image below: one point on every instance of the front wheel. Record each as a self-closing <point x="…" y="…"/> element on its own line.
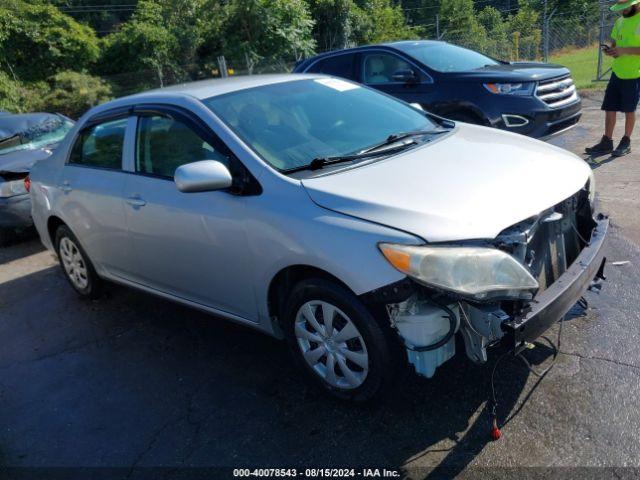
<point x="337" y="342"/>
<point x="76" y="264"/>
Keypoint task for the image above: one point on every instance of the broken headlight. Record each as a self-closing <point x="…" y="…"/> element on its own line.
<point x="12" y="188"/>
<point x="481" y="273"/>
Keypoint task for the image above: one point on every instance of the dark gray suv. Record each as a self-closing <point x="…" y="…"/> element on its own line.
<point x="534" y="99"/>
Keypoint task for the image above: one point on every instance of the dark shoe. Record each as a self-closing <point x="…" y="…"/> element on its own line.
<point x="604" y="147"/>
<point x="624" y="148"/>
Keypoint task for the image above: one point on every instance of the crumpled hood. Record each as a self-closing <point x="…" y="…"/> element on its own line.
<point x="471" y="184"/>
<point x="22" y="160"/>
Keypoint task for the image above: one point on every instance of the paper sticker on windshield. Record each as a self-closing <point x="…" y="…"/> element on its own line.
<point x="337" y="84"/>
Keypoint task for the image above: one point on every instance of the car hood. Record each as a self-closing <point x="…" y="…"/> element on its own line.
<point x="22" y="160"/>
<point x="517" y="71"/>
<point x="471" y="184"/>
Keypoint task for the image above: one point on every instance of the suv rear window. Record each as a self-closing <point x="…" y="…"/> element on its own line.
<point x="337" y="65"/>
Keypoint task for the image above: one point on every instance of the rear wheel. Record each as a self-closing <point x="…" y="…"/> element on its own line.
<point x="337" y="342"/>
<point x="76" y="264"/>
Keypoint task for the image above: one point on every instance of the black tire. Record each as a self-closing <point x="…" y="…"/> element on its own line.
<point x="464" y="117"/>
<point x="93" y="287"/>
<point x="382" y="364"/>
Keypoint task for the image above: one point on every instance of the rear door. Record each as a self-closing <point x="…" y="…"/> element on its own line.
<point x="92" y="182"/>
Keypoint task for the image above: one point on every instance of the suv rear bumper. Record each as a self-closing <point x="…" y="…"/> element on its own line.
<point x="554" y="303"/>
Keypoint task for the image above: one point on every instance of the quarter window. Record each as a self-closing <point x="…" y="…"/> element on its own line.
<point x="379" y="68"/>
<point x="337" y="65"/>
<point x="163" y="144"/>
<point x="100" y="146"/>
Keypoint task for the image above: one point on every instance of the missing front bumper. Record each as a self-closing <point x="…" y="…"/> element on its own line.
<point x="554" y="303"/>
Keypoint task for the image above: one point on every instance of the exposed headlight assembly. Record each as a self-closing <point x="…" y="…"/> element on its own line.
<point x="12" y="188"/>
<point x="481" y="273"/>
<point x="522" y="89"/>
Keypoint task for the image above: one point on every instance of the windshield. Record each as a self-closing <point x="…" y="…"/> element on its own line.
<point x="290" y="124"/>
<point x="51" y="130"/>
<point x="447" y="58"/>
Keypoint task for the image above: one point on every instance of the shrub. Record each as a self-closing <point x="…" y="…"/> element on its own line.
<point x="73" y="93"/>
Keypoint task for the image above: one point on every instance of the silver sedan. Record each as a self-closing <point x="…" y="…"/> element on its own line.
<point x="365" y="231"/>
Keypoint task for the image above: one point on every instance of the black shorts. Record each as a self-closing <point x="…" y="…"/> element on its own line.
<point x="621" y="95"/>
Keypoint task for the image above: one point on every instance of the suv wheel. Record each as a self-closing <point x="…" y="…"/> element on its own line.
<point x="336" y="340"/>
<point x="76" y="265"/>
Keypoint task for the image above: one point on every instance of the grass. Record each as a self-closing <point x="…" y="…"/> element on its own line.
<point x="583" y="63"/>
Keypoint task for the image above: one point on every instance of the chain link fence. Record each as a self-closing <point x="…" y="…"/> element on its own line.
<point x="569" y="39"/>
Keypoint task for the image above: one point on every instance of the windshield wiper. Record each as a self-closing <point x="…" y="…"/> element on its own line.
<point x="397" y="137"/>
<point x="321" y="162"/>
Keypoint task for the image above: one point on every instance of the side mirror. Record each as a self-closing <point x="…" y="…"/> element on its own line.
<point x="405" y="75"/>
<point x="204" y="176"/>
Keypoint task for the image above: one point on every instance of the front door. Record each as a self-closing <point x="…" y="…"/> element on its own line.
<point x="381" y="70"/>
<point x="191" y="245"/>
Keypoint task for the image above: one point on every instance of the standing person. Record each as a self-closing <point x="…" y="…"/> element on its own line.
<point x="623" y="90"/>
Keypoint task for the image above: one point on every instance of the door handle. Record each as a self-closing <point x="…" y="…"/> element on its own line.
<point x="136" y="202"/>
<point x="65" y="187"/>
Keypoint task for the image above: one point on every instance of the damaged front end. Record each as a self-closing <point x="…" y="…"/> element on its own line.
<point x="561" y="253"/>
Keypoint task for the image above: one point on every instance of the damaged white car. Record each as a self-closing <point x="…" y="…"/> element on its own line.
<point x="367" y="233"/>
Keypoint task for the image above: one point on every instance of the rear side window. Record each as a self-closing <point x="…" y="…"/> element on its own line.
<point x="100" y="146"/>
<point x="338" y="65"/>
<point x="163" y="144"/>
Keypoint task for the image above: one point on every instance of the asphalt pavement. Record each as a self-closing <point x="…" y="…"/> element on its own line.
<point x="117" y="386"/>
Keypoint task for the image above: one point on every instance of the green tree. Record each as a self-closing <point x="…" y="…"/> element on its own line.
<point x="11" y="96"/>
<point x="37" y="40"/>
<point x="460" y="25"/>
<point x="383" y="22"/>
<point x="335" y="22"/>
<point x="525" y="32"/>
<point x="143" y="48"/>
<point x="497" y="43"/>
<point x="73" y="93"/>
<point x="271" y="31"/>
<point x="102" y="16"/>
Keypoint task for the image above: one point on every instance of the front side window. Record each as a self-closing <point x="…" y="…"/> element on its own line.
<point x="337" y="65"/>
<point x="100" y="146"/>
<point x="291" y="123"/>
<point x="380" y="68"/>
<point x="163" y="144"/>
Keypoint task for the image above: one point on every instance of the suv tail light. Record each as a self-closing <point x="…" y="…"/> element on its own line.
<point x="27" y="183"/>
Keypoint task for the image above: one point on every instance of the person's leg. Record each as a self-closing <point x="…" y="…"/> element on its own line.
<point x="610" y="105"/>
<point x="630" y="96"/>
<point x="630" y="123"/>
<point x="609" y="124"/>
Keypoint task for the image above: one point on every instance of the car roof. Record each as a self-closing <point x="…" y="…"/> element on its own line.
<point x="219" y="86"/>
<point x="397" y="45"/>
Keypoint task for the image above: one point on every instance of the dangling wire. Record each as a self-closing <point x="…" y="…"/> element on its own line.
<point x="495" y="432"/>
<point x="556" y="352"/>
